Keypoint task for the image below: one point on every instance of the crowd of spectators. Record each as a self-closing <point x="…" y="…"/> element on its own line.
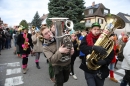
<point x="5" y="38"/>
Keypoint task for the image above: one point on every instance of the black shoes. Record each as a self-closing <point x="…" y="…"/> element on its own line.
<point x="37" y="65"/>
<point x="47" y="61"/>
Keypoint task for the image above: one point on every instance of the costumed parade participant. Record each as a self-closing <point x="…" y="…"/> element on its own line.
<point x="37" y="40"/>
<point x="112" y="64"/>
<point x="24" y="42"/>
<point x="95" y="77"/>
<point x="60" y="65"/>
<point x="82" y="55"/>
<point x="51" y="70"/>
<point x="76" y="53"/>
<point x="20" y="31"/>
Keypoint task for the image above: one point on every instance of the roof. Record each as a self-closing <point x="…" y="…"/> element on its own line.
<point x="44" y="17"/>
<point x="99" y="8"/>
<point x="44" y="21"/>
<point x="122" y="15"/>
<point x="95" y="6"/>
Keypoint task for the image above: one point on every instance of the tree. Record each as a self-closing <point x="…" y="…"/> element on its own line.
<point x="24" y="24"/>
<point x="36" y="21"/>
<point x="72" y="9"/>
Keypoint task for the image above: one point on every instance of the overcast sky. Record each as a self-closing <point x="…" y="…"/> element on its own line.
<point x="13" y="11"/>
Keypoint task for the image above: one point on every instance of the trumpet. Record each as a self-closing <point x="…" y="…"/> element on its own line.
<point x="39" y="36"/>
<point x="78" y="42"/>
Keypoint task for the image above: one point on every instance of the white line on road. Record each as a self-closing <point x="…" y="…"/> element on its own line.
<point x="13" y="71"/>
<point x="117" y="77"/>
<point x="14" y="64"/>
<point x="14" y="81"/>
<point x="3" y="64"/>
<point x="121" y="71"/>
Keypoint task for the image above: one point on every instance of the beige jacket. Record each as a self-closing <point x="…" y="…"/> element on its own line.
<point x="38" y="47"/>
<point x="54" y="56"/>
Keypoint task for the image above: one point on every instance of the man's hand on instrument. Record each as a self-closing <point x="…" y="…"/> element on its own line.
<point x="64" y="50"/>
<point x="100" y="50"/>
<point x="72" y="51"/>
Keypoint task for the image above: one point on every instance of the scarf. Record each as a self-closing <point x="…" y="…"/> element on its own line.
<point x="48" y="42"/>
<point x="90" y="37"/>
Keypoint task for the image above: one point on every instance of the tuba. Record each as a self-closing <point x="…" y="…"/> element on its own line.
<point x="61" y="38"/>
<point x="112" y="22"/>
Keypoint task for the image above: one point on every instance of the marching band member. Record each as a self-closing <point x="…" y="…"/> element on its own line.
<point x="76" y="53"/>
<point x="24" y="42"/>
<point x="61" y="69"/>
<point x="95" y="77"/>
<point x="37" y="40"/>
<point x="82" y="55"/>
<point x="20" y="31"/>
<point x="51" y="70"/>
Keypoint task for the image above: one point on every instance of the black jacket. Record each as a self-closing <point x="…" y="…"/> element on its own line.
<point x="20" y="41"/>
<point x="87" y="50"/>
<point x="76" y="51"/>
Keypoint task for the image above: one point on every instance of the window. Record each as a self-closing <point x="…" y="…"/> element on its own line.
<point x="90" y="11"/>
<point x="100" y="21"/>
<point x="88" y="21"/>
<point x="105" y="11"/>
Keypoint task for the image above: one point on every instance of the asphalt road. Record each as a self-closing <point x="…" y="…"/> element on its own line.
<point x="11" y="72"/>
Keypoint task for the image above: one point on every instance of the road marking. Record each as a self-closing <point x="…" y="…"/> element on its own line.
<point x="14" y="81"/>
<point x="14" y="64"/>
<point x="118" y="77"/>
<point x="13" y="71"/>
<point x="3" y="64"/>
<point x="121" y="71"/>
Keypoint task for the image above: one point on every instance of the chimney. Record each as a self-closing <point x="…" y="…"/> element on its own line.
<point x="93" y="3"/>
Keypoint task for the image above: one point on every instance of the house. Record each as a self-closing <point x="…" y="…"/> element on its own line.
<point x="95" y="13"/>
<point x="126" y="19"/>
<point x="43" y="18"/>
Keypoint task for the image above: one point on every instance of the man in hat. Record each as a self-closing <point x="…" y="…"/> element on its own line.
<point x="95" y="77"/>
<point x="24" y="42"/>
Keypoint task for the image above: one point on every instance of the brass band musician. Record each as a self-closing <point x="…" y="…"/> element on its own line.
<point x="61" y="66"/>
<point x="37" y="40"/>
<point x="95" y="77"/>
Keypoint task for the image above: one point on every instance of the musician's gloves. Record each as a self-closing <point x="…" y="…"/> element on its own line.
<point x="101" y="62"/>
<point x="100" y="50"/>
